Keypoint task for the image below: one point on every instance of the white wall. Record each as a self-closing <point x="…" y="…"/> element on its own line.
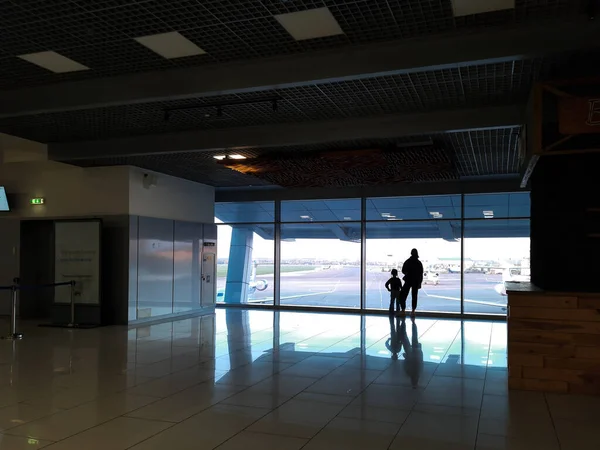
<point x="170" y="197"/>
<point x="69" y="191"/>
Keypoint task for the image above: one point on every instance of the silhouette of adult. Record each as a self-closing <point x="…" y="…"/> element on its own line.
<point x="413" y="278"/>
<point x="413" y="354"/>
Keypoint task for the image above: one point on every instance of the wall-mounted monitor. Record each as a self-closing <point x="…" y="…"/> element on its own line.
<point x="3" y="200"/>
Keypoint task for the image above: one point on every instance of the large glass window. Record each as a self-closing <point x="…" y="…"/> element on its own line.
<point x="320" y="264"/>
<point x="245" y="263"/>
<point x="389" y="244"/>
<point x="320" y="250"/>
<point x="495" y="251"/>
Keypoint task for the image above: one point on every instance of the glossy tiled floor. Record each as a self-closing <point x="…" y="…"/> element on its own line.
<point x="264" y="380"/>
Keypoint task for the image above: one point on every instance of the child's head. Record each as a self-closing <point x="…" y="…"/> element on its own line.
<point x="394" y="273"/>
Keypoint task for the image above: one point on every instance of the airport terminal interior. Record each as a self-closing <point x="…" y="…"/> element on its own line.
<point x="201" y="202"/>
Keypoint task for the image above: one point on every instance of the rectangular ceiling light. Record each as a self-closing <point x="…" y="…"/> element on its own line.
<point x="236" y="156"/>
<point x="54" y="62"/>
<point x="170" y="45"/>
<point x="470" y="7"/>
<point x="310" y="24"/>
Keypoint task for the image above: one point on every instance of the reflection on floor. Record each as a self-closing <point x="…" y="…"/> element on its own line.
<point x="265" y="380"/>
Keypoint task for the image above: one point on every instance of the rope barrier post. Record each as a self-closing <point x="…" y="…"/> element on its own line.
<point x="72" y="322"/>
<point x="14" y="334"/>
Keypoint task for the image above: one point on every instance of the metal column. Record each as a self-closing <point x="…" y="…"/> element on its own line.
<point x="363" y="252"/>
<point x="277" y="256"/>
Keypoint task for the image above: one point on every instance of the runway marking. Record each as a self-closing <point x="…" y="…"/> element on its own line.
<point x="479" y="302"/>
<point x="312" y="294"/>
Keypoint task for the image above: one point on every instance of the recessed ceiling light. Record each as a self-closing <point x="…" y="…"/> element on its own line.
<point x="470" y="7"/>
<point x="54" y="62"/>
<point x="219" y="157"/>
<point x="310" y="24"/>
<point x="170" y="45"/>
<point x="236" y="156"/>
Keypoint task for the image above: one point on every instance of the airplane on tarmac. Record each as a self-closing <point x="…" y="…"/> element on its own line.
<point x="253" y="285"/>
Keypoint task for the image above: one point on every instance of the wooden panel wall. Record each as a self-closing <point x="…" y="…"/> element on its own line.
<point x="554" y="342"/>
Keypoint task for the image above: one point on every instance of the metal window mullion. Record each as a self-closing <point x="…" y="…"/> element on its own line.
<point x="462" y="254"/>
<point x="277" y="256"/>
<point x="363" y="252"/>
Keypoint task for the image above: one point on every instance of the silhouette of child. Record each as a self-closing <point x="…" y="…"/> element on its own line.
<point x="394" y="286"/>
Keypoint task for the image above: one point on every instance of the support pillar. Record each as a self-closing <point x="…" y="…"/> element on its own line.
<point x="240" y="265"/>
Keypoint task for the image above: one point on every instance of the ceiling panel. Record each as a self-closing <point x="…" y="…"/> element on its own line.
<point x="227" y="30"/>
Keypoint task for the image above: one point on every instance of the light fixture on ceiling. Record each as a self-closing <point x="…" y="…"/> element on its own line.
<point x="488" y="214"/>
<point x="310" y="24"/>
<point x="236" y="156"/>
<point x="305" y="217"/>
<point x="170" y="45"/>
<point x="220" y="157"/>
<point x="54" y="62"/>
<point x="470" y="7"/>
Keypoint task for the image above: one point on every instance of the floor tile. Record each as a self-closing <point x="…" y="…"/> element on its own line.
<point x="117" y="434"/>
<point x="186" y="403"/>
<point x="517" y="405"/>
<point x="574" y="407"/>
<point x="351" y="434"/>
<point x="19" y="414"/>
<point x="205" y="430"/>
<point x="575" y="435"/>
<point x="248" y="440"/>
<point x="67" y="423"/>
<point x="438" y="429"/>
<point x="8" y="442"/>
<point x="374" y="413"/>
<point x="491" y="442"/>
<point x="297" y="418"/>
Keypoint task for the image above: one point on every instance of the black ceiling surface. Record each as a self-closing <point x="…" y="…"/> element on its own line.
<point x="99" y="33"/>
<point x="472" y="86"/>
<point x="475" y="153"/>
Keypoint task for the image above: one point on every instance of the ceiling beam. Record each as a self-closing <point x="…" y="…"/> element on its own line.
<point x="406" y="56"/>
<point x="389" y="126"/>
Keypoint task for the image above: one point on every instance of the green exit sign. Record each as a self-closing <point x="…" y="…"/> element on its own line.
<point x="37" y="201"/>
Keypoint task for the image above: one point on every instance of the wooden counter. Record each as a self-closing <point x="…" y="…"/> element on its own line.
<point x="553" y="340"/>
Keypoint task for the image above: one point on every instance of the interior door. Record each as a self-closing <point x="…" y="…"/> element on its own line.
<point x="209" y="269"/>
